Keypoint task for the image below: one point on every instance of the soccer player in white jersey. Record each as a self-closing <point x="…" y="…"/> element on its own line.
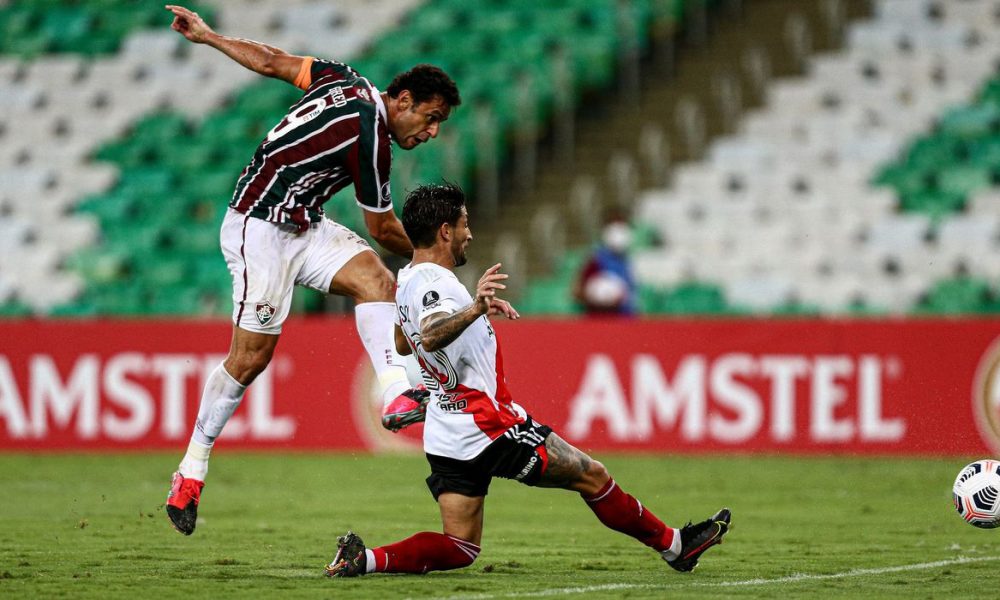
<point x="474" y="431"/>
<point x="275" y="234"/>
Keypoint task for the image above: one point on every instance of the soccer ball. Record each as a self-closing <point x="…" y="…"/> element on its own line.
<point x="976" y="493"/>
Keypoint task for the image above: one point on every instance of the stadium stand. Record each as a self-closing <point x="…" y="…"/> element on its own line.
<point x="863" y="187"/>
<point x="113" y="193"/>
<point x="866" y="186"/>
<point x="152" y="225"/>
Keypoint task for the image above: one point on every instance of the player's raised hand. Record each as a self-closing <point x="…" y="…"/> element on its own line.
<point x="189" y="24"/>
<point x="486" y="289"/>
<point x="502" y="307"/>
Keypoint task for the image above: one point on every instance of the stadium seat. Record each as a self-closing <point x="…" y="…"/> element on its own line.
<point x="760" y="294"/>
<point x="695" y="298"/>
<point x="964" y="295"/>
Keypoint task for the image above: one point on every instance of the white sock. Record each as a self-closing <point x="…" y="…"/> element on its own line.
<point x="195" y="463"/>
<point x="674" y="550"/>
<point x="219" y="400"/>
<point x="375" y="322"/>
<point x="369" y="561"/>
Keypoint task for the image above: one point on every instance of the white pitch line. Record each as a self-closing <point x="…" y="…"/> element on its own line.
<point x="798" y="577"/>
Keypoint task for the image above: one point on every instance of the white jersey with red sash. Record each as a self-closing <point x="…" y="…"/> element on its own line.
<point x="471" y="406"/>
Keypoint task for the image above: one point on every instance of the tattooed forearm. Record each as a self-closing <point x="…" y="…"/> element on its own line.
<point x="437" y="331"/>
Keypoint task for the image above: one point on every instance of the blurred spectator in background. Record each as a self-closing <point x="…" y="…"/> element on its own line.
<point x="605" y="285"/>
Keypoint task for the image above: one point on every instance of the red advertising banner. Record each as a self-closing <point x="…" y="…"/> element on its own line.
<point x="802" y="386"/>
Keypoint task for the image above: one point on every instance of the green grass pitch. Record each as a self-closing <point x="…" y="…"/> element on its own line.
<point x="93" y="526"/>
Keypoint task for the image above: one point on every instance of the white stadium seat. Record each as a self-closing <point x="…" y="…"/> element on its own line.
<point x="808" y="156"/>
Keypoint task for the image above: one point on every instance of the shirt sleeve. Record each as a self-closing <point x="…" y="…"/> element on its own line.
<point x="314" y="69"/>
<point x="373" y="162"/>
<point x="441" y="295"/>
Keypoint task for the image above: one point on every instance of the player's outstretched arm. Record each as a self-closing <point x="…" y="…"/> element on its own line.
<point x="258" y="57"/>
<point x="439" y="330"/>
<point x="386" y="229"/>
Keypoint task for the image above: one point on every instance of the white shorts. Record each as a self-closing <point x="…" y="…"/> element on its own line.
<point x="267" y="260"/>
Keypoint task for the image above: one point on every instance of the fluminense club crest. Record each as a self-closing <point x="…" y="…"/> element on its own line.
<point x="265" y="312"/>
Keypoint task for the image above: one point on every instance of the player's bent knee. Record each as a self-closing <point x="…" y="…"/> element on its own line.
<point x="596" y="474"/>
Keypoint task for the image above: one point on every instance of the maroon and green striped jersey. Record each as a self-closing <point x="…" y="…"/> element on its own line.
<point x="334" y="136"/>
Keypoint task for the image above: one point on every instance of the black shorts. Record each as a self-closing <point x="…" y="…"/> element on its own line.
<point x="517" y="454"/>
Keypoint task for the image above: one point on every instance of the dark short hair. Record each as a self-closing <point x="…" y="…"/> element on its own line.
<point x="427" y="208"/>
<point x="424" y="82"/>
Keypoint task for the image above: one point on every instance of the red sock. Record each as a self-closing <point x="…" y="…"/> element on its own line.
<point x="621" y="512"/>
<point x="423" y="552"/>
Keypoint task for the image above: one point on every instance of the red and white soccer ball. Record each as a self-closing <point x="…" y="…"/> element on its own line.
<point x="976" y="493"/>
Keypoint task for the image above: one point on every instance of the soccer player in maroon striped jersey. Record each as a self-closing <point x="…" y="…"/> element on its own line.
<point x="275" y="235"/>
<point x="474" y="430"/>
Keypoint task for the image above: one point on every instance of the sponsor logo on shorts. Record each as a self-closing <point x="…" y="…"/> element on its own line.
<point x="265" y="312"/>
<point x="986" y="396"/>
<point x="527" y="468"/>
<point x="431" y="298"/>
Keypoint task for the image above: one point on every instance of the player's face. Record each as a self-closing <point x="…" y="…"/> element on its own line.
<point x="460" y="239"/>
<point x="416" y="124"/>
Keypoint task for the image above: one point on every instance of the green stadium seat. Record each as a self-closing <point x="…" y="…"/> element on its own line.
<point x="196" y="240"/>
<point x="548" y="297"/>
<point x="217" y="186"/>
<point x="127" y="298"/>
<point x="77" y="309"/>
<point x="990" y="93"/>
<point x="695" y="298"/>
<point x="27" y="46"/>
<point x="266" y="99"/>
<point x="146" y="181"/>
<point x="97" y="42"/>
<point x="983" y="152"/>
<point x="932" y="152"/>
<point x="66" y="26"/>
<point x="208" y="271"/>
<point x="937" y="204"/>
<point x="100" y="266"/>
<point x="905" y="179"/>
<point x="173" y="299"/>
<point x="163" y="128"/>
<point x="231" y="128"/>
<point x="15" y="309"/>
<point x="112" y="206"/>
<point x="28" y="29"/>
<point x="964" y="295"/>
<point x="137" y="237"/>
<point x="19" y="20"/>
<point x="962" y="180"/>
<point x="650" y="299"/>
<point x="971" y="121"/>
<point x="163" y="270"/>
